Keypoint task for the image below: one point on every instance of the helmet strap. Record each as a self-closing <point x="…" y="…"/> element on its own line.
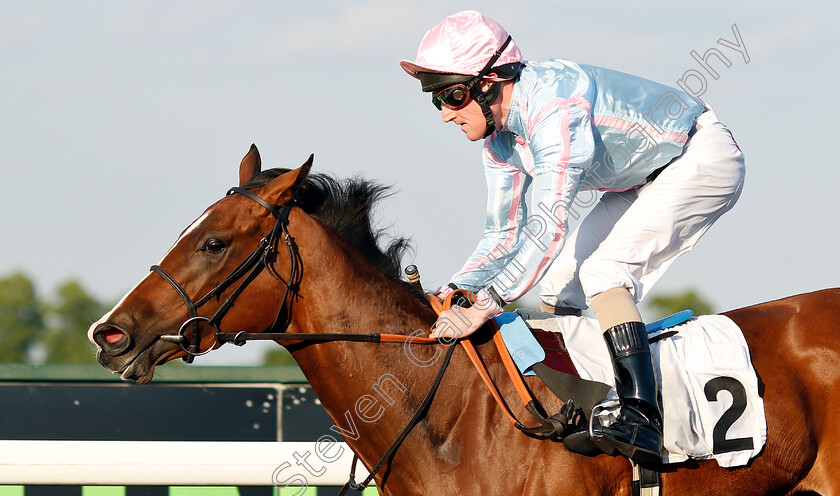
<point x="492" y="92"/>
<point x="482" y="100"/>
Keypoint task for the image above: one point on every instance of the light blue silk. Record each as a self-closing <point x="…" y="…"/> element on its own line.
<point x="569" y="127"/>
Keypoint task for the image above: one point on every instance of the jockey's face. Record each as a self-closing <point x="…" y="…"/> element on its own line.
<point x="471" y="118"/>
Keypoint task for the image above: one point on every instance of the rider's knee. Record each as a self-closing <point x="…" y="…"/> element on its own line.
<point x="599" y="275"/>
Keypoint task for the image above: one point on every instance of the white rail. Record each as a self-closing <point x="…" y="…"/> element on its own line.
<point x="176" y="463"/>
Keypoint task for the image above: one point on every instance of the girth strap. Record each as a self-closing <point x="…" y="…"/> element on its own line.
<point x="646" y="482"/>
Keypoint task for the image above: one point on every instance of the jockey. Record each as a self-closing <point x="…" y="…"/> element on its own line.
<point x="669" y="169"/>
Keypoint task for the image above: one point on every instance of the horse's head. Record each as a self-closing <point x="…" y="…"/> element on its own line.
<point x="203" y="268"/>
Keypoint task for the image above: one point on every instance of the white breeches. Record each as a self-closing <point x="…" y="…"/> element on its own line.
<point x="630" y="238"/>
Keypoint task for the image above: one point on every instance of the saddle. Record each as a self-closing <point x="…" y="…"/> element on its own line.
<point x="707" y="358"/>
<point x="551" y="362"/>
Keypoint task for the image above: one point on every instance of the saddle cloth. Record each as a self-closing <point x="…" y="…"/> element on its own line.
<point x="710" y="399"/>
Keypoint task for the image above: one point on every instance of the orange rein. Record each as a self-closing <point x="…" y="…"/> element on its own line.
<point x="513" y="372"/>
<point x="548" y="427"/>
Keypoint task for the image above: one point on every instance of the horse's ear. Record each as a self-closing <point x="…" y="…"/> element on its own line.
<point x="250" y="165"/>
<point x="283" y="188"/>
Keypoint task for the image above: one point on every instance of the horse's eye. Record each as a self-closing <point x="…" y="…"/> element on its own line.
<point x="214" y="246"/>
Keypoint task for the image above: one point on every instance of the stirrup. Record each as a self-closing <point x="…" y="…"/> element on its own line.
<point x="645" y="453"/>
<point x="632" y="435"/>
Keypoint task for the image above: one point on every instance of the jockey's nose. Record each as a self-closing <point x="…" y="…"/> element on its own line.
<point x="110" y="339"/>
<point x="447" y="114"/>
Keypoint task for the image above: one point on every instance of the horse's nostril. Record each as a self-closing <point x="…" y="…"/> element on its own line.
<point x="111" y="335"/>
<point x="111" y="338"/>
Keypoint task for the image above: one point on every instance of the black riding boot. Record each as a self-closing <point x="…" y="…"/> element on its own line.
<point x="637" y="434"/>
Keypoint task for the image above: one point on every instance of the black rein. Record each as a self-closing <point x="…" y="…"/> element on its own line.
<point x="260" y="259"/>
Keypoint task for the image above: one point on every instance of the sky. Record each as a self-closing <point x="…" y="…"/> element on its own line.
<point x="121" y="121"/>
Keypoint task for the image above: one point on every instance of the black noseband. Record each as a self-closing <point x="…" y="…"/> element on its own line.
<point x="258" y="260"/>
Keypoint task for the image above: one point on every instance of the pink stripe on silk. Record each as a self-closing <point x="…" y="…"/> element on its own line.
<point x="553" y="248"/>
<point x="512" y="213"/>
<point x="564" y="109"/>
<point x="581" y="102"/>
<point x="624" y="125"/>
<point x="559" y="104"/>
<point x="556" y="242"/>
<point x="562" y="104"/>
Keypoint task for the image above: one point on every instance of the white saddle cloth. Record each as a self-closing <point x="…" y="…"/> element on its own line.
<point x="710" y="399"/>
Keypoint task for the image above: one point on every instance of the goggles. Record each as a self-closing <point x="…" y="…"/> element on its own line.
<point x="457" y="96"/>
<point x="453" y="97"/>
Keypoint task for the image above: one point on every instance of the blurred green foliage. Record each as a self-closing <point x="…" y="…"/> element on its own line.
<point x="278" y="356"/>
<point x="668" y="304"/>
<point x="53" y="330"/>
<point x="21" y="318"/>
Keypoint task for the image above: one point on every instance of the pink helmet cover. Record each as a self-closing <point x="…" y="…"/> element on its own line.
<point x="462" y="44"/>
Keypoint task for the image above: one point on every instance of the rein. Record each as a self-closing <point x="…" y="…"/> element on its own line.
<point x="550" y="426"/>
<point x="262" y="258"/>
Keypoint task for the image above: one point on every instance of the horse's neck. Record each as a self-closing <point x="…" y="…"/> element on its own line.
<point x="343" y="292"/>
<point x="369" y="390"/>
<point x="372" y="390"/>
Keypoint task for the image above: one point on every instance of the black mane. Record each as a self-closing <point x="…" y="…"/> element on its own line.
<point x="346" y="207"/>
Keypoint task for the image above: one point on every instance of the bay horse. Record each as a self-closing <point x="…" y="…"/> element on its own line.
<point x="337" y="280"/>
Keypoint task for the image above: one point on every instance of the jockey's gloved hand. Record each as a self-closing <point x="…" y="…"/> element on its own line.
<point x="459" y="322"/>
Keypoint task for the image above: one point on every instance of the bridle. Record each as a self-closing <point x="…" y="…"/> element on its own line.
<point x="259" y="259"/>
<point x="262" y="258"/>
